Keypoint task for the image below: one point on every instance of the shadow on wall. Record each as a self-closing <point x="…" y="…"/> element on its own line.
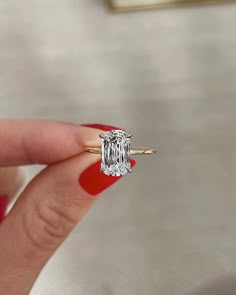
<point x="224" y="285"/>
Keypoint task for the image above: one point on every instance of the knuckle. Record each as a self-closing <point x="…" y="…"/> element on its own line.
<point x="46" y="226"/>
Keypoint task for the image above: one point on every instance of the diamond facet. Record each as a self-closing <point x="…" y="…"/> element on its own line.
<point x="115" y="153"/>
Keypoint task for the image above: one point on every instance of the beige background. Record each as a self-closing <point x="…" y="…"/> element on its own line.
<point x="140" y="4"/>
<point x="167" y="76"/>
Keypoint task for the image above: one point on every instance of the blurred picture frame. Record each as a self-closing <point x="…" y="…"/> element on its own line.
<point x="125" y="5"/>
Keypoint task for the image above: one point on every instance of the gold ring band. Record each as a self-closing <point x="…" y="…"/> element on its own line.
<point x="133" y="151"/>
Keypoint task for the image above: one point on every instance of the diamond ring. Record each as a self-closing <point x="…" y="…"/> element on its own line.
<point x="115" y="152"/>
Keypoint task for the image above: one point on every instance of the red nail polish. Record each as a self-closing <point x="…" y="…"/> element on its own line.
<point x="94" y="182"/>
<point x="101" y="126"/>
<point x="3" y="206"/>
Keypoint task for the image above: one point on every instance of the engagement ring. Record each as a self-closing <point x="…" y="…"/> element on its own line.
<point x="115" y="152"/>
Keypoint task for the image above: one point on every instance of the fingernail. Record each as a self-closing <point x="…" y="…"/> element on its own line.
<point x="101" y="126"/>
<point x="94" y="182"/>
<point x="3" y="206"/>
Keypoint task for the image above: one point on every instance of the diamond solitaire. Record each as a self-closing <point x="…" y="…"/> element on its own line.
<point x="115" y="152"/>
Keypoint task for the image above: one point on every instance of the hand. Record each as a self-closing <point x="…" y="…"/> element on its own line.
<point x="53" y="202"/>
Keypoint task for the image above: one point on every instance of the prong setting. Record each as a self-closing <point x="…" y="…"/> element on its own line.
<point x="102" y="135"/>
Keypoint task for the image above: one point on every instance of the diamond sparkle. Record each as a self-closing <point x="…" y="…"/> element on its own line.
<point x="115" y="153"/>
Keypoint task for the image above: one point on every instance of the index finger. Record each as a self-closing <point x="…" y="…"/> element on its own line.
<point x="31" y="141"/>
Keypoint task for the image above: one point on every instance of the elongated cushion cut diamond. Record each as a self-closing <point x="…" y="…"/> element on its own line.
<point x="115" y="153"/>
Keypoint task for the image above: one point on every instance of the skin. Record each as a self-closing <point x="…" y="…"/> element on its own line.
<point x="11" y="180"/>
<point x="51" y="204"/>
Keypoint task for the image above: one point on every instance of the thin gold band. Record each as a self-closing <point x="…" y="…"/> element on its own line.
<point x="134" y="151"/>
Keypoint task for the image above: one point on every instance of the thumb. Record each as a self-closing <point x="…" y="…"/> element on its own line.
<point x="44" y="215"/>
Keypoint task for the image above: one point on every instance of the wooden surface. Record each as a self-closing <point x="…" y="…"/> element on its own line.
<point x="166" y="76"/>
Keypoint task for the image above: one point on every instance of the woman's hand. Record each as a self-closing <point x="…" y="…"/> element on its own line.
<point x="53" y="202"/>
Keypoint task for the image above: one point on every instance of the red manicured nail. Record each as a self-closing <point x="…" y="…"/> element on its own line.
<point x="101" y="126"/>
<point x="94" y="182"/>
<point x="3" y="206"/>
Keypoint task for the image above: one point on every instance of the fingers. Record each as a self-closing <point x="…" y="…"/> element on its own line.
<point x="42" y="217"/>
<point x="11" y="180"/>
<point x="40" y="141"/>
<point x="46" y="212"/>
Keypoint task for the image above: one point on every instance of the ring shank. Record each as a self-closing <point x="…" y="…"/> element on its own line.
<point x="133" y="151"/>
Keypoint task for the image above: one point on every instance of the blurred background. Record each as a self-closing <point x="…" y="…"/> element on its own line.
<point x="168" y="77"/>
